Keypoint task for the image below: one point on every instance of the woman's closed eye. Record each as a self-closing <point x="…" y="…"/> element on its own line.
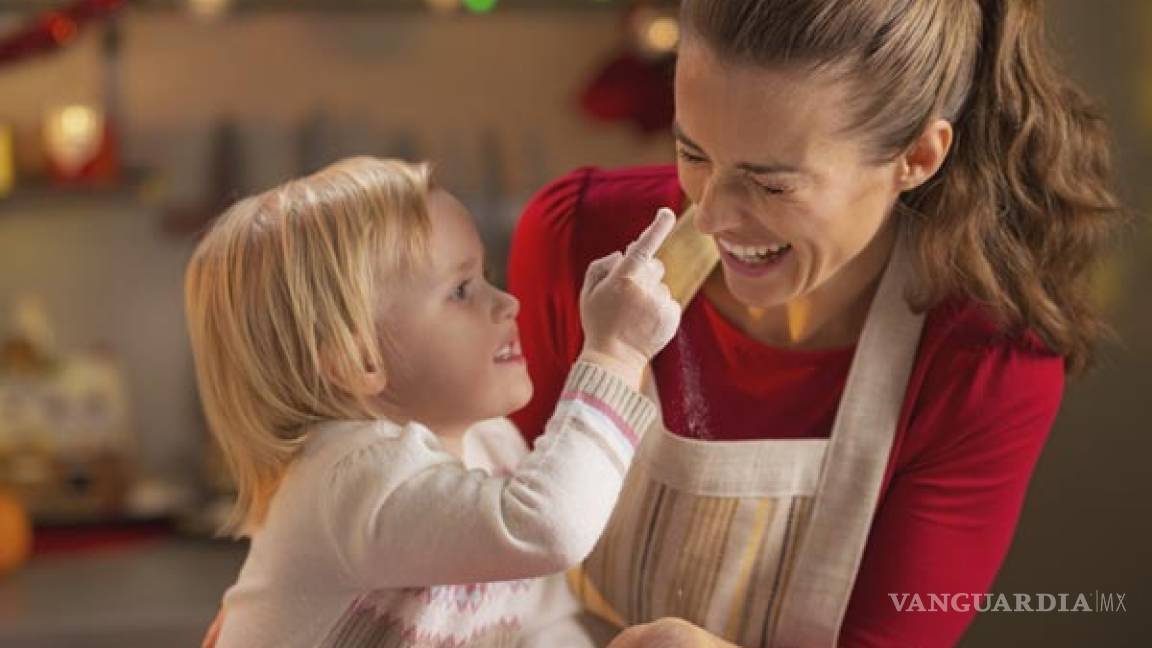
<point x="689" y="157"/>
<point x="692" y="158"/>
<point x="771" y="190"/>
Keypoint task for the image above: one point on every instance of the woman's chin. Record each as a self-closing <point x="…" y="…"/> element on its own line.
<point x="757" y="294"/>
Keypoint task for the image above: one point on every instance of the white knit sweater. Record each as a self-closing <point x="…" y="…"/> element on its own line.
<point x="379" y="537"/>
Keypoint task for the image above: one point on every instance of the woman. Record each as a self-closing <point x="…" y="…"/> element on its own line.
<point x="906" y="198"/>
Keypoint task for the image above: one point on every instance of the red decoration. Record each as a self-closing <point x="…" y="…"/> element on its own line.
<point x="103" y="170"/>
<point x="633" y="89"/>
<point x="635" y="85"/>
<point x="55" y="29"/>
<point x="61" y="28"/>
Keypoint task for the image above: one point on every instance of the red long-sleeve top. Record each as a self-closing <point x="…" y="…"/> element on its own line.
<point x="977" y="411"/>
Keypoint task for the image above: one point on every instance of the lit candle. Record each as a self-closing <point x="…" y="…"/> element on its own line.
<point x="73" y="135"/>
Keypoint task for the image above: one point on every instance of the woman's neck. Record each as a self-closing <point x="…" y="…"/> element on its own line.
<point x="832" y="316"/>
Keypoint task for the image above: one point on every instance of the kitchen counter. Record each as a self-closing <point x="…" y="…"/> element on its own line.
<point x="161" y="594"/>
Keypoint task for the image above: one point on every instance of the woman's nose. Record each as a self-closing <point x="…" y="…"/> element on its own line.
<point x="720" y="206"/>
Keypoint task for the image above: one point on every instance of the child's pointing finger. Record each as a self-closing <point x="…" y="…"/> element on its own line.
<point x="645" y="246"/>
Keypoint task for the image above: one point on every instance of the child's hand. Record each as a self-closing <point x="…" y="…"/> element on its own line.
<point x="626" y="310"/>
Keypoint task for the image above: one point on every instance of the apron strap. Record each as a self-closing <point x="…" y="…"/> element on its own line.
<point x="832" y="544"/>
<point x="689" y="257"/>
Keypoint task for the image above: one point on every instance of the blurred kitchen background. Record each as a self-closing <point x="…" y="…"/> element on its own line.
<point x="125" y="126"/>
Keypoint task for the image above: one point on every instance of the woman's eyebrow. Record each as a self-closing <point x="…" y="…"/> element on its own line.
<point x="751" y="167"/>
<point x="678" y="133"/>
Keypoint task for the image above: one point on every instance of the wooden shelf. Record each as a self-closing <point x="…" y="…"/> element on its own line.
<point x="43" y="196"/>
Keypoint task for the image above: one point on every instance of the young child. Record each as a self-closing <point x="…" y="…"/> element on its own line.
<point x="355" y="366"/>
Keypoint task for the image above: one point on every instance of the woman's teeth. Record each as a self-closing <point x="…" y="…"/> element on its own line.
<point x="754" y="254"/>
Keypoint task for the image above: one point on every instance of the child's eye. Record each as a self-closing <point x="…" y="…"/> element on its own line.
<point x="460" y="292"/>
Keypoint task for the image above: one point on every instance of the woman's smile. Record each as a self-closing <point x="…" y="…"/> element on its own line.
<point x="753" y="261"/>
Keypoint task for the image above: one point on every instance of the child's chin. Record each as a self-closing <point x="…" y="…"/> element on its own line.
<point x="521" y="395"/>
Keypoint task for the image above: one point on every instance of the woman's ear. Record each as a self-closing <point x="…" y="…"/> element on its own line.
<point x="926" y="155"/>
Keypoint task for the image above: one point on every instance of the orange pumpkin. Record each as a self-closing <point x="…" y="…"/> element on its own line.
<point x="15" y="533"/>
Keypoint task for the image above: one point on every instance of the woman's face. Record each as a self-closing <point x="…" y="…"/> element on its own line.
<point x="792" y="202"/>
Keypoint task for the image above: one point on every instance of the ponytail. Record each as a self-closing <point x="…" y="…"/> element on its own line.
<point x="1023" y="208"/>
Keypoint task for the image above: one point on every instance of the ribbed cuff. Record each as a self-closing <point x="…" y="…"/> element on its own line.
<point x="631" y="410"/>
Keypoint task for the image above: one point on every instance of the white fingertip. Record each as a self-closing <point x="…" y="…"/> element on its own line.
<point x="650" y="240"/>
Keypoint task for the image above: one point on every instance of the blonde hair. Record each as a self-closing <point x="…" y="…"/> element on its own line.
<point x="281" y="295"/>
<point x="1023" y="207"/>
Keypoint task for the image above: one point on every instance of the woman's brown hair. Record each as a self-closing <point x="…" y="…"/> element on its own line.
<point x="1023" y="207"/>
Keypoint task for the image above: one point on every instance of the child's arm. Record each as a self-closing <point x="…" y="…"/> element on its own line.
<point x="430" y="521"/>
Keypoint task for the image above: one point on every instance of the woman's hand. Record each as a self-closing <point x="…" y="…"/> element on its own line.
<point x="626" y="310"/>
<point x="668" y="633"/>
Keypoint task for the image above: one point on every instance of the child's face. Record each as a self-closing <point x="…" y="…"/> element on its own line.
<point x="458" y="350"/>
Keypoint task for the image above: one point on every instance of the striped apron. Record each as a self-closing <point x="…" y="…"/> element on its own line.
<point x="757" y="541"/>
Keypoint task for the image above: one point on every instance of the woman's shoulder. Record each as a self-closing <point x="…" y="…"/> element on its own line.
<point x="971" y="367"/>
<point x="978" y="389"/>
<point x="591" y="208"/>
<point x="963" y="324"/>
